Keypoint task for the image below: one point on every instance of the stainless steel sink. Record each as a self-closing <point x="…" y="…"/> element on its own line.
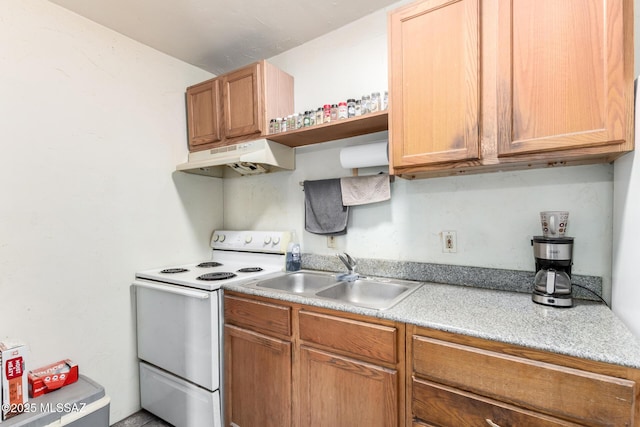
<point x="299" y="282"/>
<point x="375" y="293"/>
<point x="372" y="293"/>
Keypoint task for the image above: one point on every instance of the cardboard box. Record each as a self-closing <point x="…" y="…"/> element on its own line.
<point x="13" y="379"/>
<point x="52" y="377"/>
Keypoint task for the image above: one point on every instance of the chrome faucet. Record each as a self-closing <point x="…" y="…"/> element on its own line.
<point x="350" y="263"/>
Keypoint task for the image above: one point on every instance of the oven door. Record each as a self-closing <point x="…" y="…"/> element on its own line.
<point x="179" y="331"/>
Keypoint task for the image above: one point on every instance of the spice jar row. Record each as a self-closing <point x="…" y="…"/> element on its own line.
<point x="330" y="113"/>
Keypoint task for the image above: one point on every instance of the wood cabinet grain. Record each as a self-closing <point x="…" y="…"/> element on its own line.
<point x="457" y="380"/>
<point x="258" y="357"/>
<point x="238" y="105"/>
<point x="481" y="86"/>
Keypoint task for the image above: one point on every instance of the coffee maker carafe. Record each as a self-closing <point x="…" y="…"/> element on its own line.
<point x="552" y="283"/>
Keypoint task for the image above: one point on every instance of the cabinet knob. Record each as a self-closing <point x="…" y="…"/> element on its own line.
<point x="491" y="423"/>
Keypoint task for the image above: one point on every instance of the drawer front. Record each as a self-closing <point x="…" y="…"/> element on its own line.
<point x="587" y="398"/>
<point x="257" y="315"/>
<point x="351" y="336"/>
<point x="440" y="405"/>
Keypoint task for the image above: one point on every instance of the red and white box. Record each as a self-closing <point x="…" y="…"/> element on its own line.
<point x="52" y="377"/>
<point x="13" y="382"/>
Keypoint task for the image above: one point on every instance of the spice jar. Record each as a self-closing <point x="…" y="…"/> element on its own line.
<point x="319" y="116"/>
<point x="365" y="103"/>
<point x="351" y="107"/>
<point x="374" y="105"/>
<point x="272" y="125"/>
<point x="284" y="125"/>
<point x="385" y="100"/>
<point x="276" y="127"/>
<point x="305" y="120"/>
<point x="291" y="122"/>
<point x="312" y="118"/>
<point x="358" y="108"/>
<point x="342" y="110"/>
<point x="334" y="112"/>
<point x="327" y="113"/>
<point x="298" y="118"/>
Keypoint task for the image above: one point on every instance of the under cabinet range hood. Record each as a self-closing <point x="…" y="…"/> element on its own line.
<point x="246" y="158"/>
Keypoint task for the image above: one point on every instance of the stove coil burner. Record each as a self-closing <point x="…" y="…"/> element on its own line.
<point x="209" y="264"/>
<point x="216" y="276"/>
<point x="173" y="270"/>
<point x="250" y="270"/>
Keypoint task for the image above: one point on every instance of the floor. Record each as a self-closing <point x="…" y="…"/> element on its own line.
<point x="141" y="418"/>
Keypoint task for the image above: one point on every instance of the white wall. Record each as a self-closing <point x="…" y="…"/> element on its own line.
<point x="494" y="214"/>
<point x="92" y="125"/>
<point x="626" y="230"/>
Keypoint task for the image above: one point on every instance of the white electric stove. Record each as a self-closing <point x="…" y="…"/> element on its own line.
<point x="180" y="324"/>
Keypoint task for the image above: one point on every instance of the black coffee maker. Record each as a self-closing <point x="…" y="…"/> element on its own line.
<point x="552" y="283"/>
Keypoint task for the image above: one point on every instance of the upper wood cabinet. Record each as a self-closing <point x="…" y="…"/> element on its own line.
<point x="241" y="91"/>
<point x="502" y="84"/>
<point x="561" y="75"/>
<point x="237" y="106"/>
<point x="434" y="60"/>
<point x="203" y="113"/>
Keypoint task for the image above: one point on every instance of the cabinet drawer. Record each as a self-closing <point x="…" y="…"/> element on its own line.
<point x="585" y="397"/>
<point x="257" y="315"/>
<point x="360" y="339"/>
<point x="444" y="406"/>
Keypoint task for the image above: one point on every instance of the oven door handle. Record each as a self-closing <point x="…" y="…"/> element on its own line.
<point x="173" y="290"/>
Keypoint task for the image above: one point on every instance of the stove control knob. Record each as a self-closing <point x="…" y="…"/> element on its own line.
<point x="267" y="240"/>
<point x="248" y="239"/>
<point x="276" y="240"/>
<point x="221" y="238"/>
<point x="215" y="237"/>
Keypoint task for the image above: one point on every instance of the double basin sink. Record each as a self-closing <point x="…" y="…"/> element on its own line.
<point x="374" y="293"/>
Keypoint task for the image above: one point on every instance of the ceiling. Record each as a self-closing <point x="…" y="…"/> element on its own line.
<point x="220" y="36"/>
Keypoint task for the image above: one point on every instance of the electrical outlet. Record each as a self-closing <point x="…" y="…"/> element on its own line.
<point x="449" y="244"/>
<point x="331" y="242"/>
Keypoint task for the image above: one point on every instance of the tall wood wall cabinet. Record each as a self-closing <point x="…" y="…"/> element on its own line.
<point x="237" y="106"/>
<point x="482" y="85"/>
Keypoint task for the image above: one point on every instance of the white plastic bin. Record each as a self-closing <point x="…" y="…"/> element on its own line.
<point x="81" y="404"/>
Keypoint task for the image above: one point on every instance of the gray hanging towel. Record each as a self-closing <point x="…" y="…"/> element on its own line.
<point x="323" y="210"/>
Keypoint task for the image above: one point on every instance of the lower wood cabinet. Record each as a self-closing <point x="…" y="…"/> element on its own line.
<point x="342" y="391"/>
<point x="458" y="380"/>
<point x="295" y="365"/>
<point x="350" y="371"/>
<point x="289" y="364"/>
<point x="257" y="378"/>
<point x="257" y="363"/>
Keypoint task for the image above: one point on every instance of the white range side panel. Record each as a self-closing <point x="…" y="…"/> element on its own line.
<point x="178" y="331"/>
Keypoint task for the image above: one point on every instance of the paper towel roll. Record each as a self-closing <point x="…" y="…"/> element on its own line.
<point x="363" y="156"/>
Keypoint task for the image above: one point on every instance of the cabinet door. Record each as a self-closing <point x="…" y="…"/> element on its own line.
<point x="561" y="75"/>
<point x="434" y="81"/>
<point x="203" y="113"/>
<point x="257" y="379"/>
<point x="242" y="94"/>
<point x="339" y="391"/>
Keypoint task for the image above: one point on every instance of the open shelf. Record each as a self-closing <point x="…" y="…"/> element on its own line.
<point x="345" y="128"/>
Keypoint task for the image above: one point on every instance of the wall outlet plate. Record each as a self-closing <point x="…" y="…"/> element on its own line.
<point x="449" y="243"/>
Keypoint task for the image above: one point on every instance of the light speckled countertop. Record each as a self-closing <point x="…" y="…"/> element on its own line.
<point x="588" y="330"/>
